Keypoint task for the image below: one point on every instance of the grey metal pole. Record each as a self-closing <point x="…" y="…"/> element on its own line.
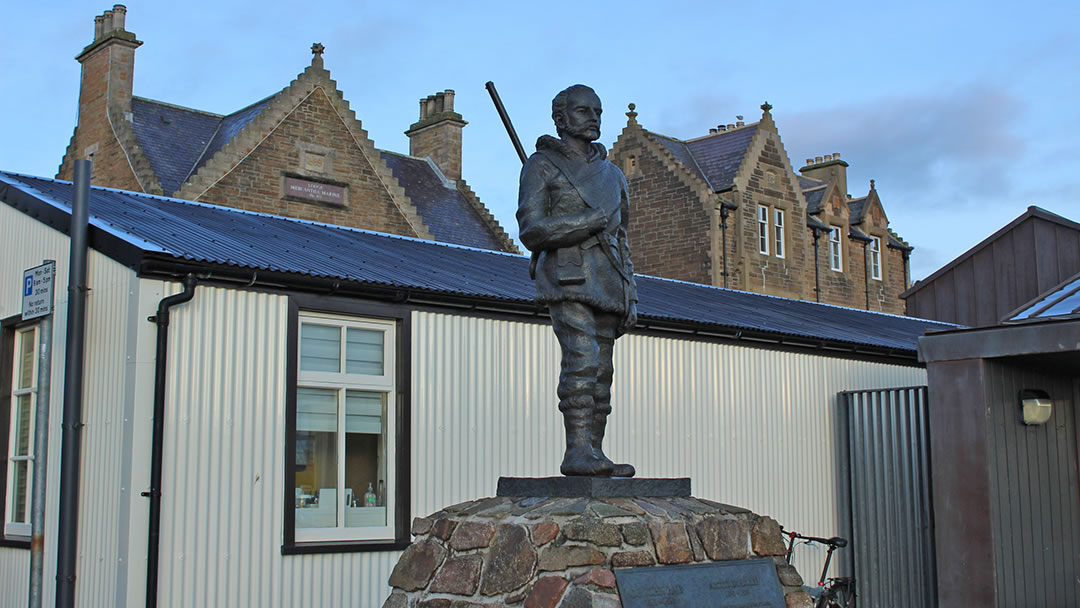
<point x="41" y="452"/>
<point x="71" y="429"/>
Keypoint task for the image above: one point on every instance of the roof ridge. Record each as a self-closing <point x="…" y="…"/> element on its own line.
<point x="722" y="133"/>
<point x="176" y="106"/>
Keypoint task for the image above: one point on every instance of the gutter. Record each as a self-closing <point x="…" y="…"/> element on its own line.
<point x="157" y="446"/>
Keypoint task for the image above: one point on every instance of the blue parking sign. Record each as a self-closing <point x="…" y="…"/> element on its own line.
<point x="28" y="286"/>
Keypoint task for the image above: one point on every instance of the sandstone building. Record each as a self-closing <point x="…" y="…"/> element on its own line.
<point x="300" y="152"/>
<point x="728" y="209"/>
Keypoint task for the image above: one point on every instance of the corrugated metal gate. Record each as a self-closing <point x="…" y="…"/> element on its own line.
<point x="892" y="517"/>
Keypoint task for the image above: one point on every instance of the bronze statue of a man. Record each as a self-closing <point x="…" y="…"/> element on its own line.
<point x="572" y="212"/>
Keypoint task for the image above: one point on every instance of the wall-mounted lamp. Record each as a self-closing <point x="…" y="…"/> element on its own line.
<point x="1036" y="406"/>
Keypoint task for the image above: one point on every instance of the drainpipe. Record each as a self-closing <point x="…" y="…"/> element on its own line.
<point x="866" y="271"/>
<point x="817" y="269"/>
<point x="723" y="235"/>
<point x="71" y="428"/>
<point x="161" y="319"/>
<point x="906" y="254"/>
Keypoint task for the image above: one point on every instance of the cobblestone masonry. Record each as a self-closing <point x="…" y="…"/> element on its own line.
<point x="563" y="552"/>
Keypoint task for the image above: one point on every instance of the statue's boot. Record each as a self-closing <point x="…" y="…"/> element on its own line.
<point x="580" y="459"/>
<point x="599" y="424"/>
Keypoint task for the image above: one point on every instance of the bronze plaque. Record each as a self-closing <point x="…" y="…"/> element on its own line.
<point x="735" y="584"/>
<point x="314" y="191"/>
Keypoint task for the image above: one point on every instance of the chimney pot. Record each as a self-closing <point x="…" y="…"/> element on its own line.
<point x="449" y="99"/>
<point x="423" y="114"/>
<point x="107" y="25"/>
<point x="809" y="162"/>
<point x="440" y="103"/>
<point x="836" y="156"/>
<point x="828" y="157"/>
<point x="712" y="131"/>
<point x="817" y="159"/>
<point x="731" y="126"/>
<point x="721" y="128"/>
<point x="99" y="27"/>
<point x="119" y="16"/>
<point x="740" y="124"/>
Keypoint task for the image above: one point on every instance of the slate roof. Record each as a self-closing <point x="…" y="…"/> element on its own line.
<point x="720" y="155"/>
<point x="813" y="199"/>
<point x="449" y="217"/>
<point x="173" y="138"/>
<point x="138" y="227"/>
<point x="806" y="183"/>
<point x="714" y="158"/>
<point x="857" y="208"/>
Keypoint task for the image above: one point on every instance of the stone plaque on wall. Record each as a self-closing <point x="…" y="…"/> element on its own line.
<point x="735" y="584"/>
<point x="315" y="191"/>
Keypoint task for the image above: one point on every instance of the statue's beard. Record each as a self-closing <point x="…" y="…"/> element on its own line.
<point x="586" y="132"/>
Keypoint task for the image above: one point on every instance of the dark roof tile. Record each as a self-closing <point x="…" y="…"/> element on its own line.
<point x="173" y="138"/>
<point x="720" y="155"/>
<point x="445" y="211"/>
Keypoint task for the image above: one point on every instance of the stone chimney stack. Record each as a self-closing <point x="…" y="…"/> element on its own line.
<point x="437" y="134"/>
<point x="828" y="169"/>
<point x="108" y="65"/>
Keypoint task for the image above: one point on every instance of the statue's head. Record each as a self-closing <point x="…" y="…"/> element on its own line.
<point x="576" y="111"/>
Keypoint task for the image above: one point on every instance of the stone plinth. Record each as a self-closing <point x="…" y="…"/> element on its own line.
<point x="562" y="552"/>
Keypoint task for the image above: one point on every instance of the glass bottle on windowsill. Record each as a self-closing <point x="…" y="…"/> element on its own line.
<point x="369" y="496"/>
<point x="380" y="499"/>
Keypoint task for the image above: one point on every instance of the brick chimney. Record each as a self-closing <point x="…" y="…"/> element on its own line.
<point x="828" y="169"/>
<point x="108" y="63"/>
<point x="438" y="133"/>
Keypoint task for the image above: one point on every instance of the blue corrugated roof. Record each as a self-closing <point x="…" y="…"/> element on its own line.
<point x="219" y="235"/>
<point x="449" y="217"/>
<point x="173" y="138"/>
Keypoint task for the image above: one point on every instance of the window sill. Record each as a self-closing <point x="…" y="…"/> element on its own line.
<point x="15" y="542"/>
<point x="342" y="546"/>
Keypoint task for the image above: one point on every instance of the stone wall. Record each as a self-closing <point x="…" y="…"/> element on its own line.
<point x="564" y="552"/>
<point x="256" y="182"/>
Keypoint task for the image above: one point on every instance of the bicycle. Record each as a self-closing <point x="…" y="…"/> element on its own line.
<point x="835" y="592"/>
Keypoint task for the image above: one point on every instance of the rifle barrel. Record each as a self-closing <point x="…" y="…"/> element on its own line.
<point x="490" y="86"/>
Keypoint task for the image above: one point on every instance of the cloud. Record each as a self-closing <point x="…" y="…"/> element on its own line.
<point x="960" y="139"/>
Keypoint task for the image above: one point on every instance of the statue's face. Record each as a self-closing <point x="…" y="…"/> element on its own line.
<point x="582" y="119"/>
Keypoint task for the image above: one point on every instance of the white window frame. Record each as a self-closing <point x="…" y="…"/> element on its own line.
<point x="763" y="229"/>
<point x="836" y="249"/>
<point x="875" y="258"/>
<point x="15" y="528"/>
<point x="778" y="232"/>
<point x="343" y="381"/>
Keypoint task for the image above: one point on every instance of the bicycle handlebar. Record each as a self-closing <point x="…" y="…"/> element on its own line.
<point x="835" y="541"/>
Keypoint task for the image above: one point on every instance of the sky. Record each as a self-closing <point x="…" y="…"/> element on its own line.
<point x="964" y="113"/>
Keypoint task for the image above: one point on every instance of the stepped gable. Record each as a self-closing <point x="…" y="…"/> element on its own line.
<point x="173" y="138"/>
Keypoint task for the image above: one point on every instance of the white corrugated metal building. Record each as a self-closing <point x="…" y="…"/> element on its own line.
<point x="313" y="360"/>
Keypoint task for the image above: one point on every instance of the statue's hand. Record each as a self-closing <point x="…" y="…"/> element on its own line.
<point x="630" y="320"/>
<point x="597" y="220"/>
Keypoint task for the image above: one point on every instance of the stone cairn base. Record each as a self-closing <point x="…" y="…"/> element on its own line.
<point x="544" y="552"/>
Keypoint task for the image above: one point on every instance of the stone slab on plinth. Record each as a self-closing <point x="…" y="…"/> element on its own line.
<point x="564" y="552"/>
<point x="593" y="487"/>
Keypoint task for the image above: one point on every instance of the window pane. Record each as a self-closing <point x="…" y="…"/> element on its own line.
<point x="23" y="425"/>
<point x="316" y="458"/>
<point x="364" y="352"/>
<point x="25" y="377"/>
<point x="320" y="348"/>
<point x="18" y="498"/>
<point x="365" y="459"/>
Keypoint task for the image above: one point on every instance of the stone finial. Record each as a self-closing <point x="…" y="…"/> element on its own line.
<point x="632" y="115"/>
<point x="871" y="184"/>
<point x="317" y="49"/>
<point x="765" y="107"/>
